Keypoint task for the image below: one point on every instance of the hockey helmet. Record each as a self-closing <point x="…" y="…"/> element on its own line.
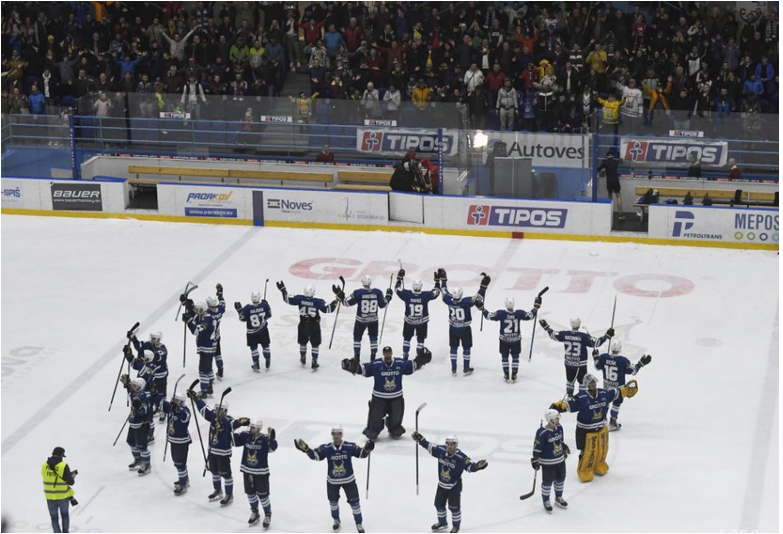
<point x="212" y="301"/>
<point x="576" y="322"/>
<point x="200" y="306"/>
<point x="148" y="355"/>
<point x="221" y="406"/>
<point x="309" y="291"/>
<point x="456" y="294"/>
<point x="510" y="303"/>
<point x="257" y="425"/>
<point x="616" y="346"/>
<point x="452" y="439"/>
<point x="156" y="337"/>
<point x="337" y="429"/>
<point x="178" y="398"/>
<point x="138" y="383"/>
<point x="366" y="281"/>
<point x="551" y="416"/>
<point x="417" y="286"/>
<point x="255" y="297"/>
<point x="588" y="379"/>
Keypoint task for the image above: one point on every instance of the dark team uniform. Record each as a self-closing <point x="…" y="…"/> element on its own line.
<point x="417" y="315"/>
<point x="614" y="368"/>
<point x="217" y="316"/>
<point x="177" y="434"/>
<point x="160" y="362"/>
<point x="460" y="319"/>
<point x="339" y="474"/>
<point x="387" y="399"/>
<point x="549" y="450"/>
<point x="510" y="335"/>
<point x="256" y="317"/>
<point x="138" y="427"/>
<point x="450" y="469"/>
<point x="575" y="344"/>
<point x="220" y="443"/>
<point x="203" y="327"/>
<point x="255" y="467"/>
<point x="368" y="302"/>
<point x="310" y="309"/>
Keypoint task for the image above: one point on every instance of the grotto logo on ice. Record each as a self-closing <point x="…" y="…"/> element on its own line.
<point x="209" y="204"/>
<point x="517" y="217"/>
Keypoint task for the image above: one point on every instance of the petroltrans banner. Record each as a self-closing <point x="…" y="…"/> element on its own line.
<point x="676" y="152"/>
<point x="725" y="225"/>
<point x="546" y="150"/>
<point x="397" y="141"/>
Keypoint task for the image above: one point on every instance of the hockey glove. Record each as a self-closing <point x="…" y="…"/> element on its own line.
<point x="301" y="445"/>
<point x="192" y="395"/>
<point x="272" y="434"/>
<point x="566" y="450"/>
<point x="534" y="462"/>
<point x="219" y="290"/>
<point x="389" y="294"/>
<point x="560" y="405"/>
<point x="400" y="275"/>
<point x="125" y="380"/>
<point x="630" y="389"/>
<point x="130" y="334"/>
<point x="126" y="351"/>
<point x="544" y="324"/>
<point x="442" y="274"/>
<point x="610" y="333"/>
<point x="136" y="404"/>
<point x="186" y="317"/>
<point x="418" y="438"/>
<point x="243" y="421"/>
<point x="336" y="289"/>
<point x="238" y="306"/>
<point x="485" y="280"/>
<point x="595" y="353"/>
<point x="423" y="357"/>
<point x="645" y="360"/>
<point x="350" y="365"/>
<point x="481" y="464"/>
<point x="369" y="446"/>
<point x="436" y="277"/>
<point x="281" y="286"/>
<point x="183" y="297"/>
<point x="537" y="303"/>
<point x="479" y="302"/>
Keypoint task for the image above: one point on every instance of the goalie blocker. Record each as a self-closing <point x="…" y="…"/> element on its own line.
<point x="592" y="435"/>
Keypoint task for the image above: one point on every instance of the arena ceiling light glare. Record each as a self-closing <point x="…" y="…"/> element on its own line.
<point x="480" y="139"/>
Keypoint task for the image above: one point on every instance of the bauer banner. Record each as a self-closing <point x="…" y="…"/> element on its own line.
<point x="546" y="150"/>
<point x="673" y="152"/>
<point x="397" y="141"/>
<point x="725" y="225"/>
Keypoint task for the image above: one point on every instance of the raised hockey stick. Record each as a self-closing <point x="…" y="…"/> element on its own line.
<point x="266" y="283"/>
<point x="168" y="419"/>
<point x="419" y="409"/>
<point x="385" y="309"/>
<point x="337" y="313"/>
<point x="217" y="416"/>
<point x="121" y="429"/>
<point x="402" y="282"/>
<point x="533" y="335"/>
<point x="614" y="309"/>
<point x="133" y="331"/>
<point x="481" y="329"/>
<point x="188" y="289"/>
<point x="198" y="428"/>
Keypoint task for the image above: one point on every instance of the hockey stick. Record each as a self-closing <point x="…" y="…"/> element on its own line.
<point x="217" y="416"/>
<point x="614" y="309"/>
<point x="198" y="428"/>
<point x="188" y="289"/>
<point x="166" y="447"/>
<point x="385" y="309"/>
<point x="369" y="456"/>
<point x="123" y="428"/>
<point x="482" y="311"/>
<point x="337" y="313"/>
<point x="533" y="336"/>
<point x="528" y="495"/>
<point x="266" y="283"/>
<point x="402" y="282"/>
<point x="132" y="331"/>
<point x="419" y="409"/>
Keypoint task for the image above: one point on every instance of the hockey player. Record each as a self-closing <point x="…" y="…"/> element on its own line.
<point x="575" y="343"/>
<point x="387" y="400"/>
<point x="138" y="424"/>
<point x="614" y="368"/>
<point x="451" y="463"/>
<point x="220" y="442"/>
<point x="178" y="415"/>
<point x="217" y="307"/>
<point x="550" y="452"/>
<point x="146" y="370"/>
<point x="460" y="319"/>
<point x="160" y="361"/>
<point x="510" y="333"/>
<point x="202" y="325"/>
<point x="256" y="315"/>
<point x="367" y="300"/>
<point x="417" y="314"/>
<point x="339" y="456"/>
<point x="310" y="309"/>
<point x="255" y="468"/>
<point x="592" y="436"/>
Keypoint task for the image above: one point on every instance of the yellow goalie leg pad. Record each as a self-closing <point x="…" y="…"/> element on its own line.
<point x="601" y="467"/>
<point x="589" y="457"/>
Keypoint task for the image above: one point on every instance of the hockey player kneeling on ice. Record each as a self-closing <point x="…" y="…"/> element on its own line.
<point x="310" y="309"/>
<point x="460" y="318"/>
<point x="202" y="325"/>
<point x="368" y="301"/>
<point x="255" y="468"/>
<point x="510" y="333"/>
<point x="387" y="400"/>
<point x="614" y="368"/>
<point x="550" y="453"/>
<point x="575" y="344"/>
<point x="138" y="424"/>
<point x="339" y="472"/>
<point x="178" y="436"/>
<point x="592" y="436"/>
<point x="417" y="314"/>
<point x="256" y="315"/>
<point x="451" y="463"/>
<point x="220" y="438"/>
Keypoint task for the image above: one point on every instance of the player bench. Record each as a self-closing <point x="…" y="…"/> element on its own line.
<point x="355" y="180"/>
<point x="362" y="187"/>
<point x="718" y="196"/>
<point x="154" y="174"/>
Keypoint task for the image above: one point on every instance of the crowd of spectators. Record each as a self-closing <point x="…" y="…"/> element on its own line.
<point x="510" y="65"/>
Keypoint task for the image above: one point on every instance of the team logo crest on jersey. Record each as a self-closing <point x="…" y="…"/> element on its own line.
<point x="252" y="458"/>
<point x="339" y="470"/>
<point x="170" y="428"/>
<point x="598" y="414"/>
<point x="390" y="384"/>
<point x="558" y="449"/>
<point x="445" y="474"/>
<point x="478" y="215"/>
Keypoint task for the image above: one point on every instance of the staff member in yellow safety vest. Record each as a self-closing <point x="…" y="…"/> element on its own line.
<point x="57" y="480"/>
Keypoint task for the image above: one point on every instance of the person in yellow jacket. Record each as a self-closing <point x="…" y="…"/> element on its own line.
<point x="57" y="480"/>
<point x="611" y="114"/>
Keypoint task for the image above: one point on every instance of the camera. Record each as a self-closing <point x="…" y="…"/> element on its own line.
<point x="74" y="502"/>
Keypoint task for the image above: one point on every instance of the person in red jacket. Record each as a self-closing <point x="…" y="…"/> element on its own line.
<point x="431" y="176"/>
<point x="352" y="35"/>
<point x="325" y="155"/>
<point x="495" y="80"/>
<point x="312" y="33"/>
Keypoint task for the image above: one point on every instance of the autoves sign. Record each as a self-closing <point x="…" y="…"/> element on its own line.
<point x="673" y="153"/>
<point x="516" y="217"/>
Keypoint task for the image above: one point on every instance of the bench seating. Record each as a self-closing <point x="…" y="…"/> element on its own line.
<point x="362" y="187"/>
<point x="220" y="175"/>
<point x="718" y="196"/>
<point x="372" y="177"/>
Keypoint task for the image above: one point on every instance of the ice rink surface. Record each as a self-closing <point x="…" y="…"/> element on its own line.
<point x="698" y="450"/>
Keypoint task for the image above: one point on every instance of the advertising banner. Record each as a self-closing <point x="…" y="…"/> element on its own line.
<point x="546" y="150"/>
<point x="222" y="202"/>
<point x="398" y="141"/>
<point x="323" y="206"/>
<point x="276" y="118"/>
<point x="12" y="195"/>
<point x="76" y="196"/>
<point x="673" y="152"/>
<point x="727" y="225"/>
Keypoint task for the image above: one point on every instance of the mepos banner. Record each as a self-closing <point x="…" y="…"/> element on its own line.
<point x="673" y="152"/>
<point x="340" y="207"/>
<point x="397" y="141"/>
<point x="546" y="150"/>
<point x="727" y="225"/>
